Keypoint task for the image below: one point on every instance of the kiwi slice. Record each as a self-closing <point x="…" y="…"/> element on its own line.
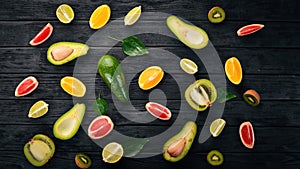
<point x="215" y="158"/>
<point x="251" y="97"/>
<point x="83" y="161"/>
<point x="216" y="15"/>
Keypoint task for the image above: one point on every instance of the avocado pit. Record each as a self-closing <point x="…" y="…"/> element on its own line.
<point x="61" y="52"/>
<point x="176" y="148"/>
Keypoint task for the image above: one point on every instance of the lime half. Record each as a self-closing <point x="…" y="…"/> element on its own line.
<point x="65" y="13"/>
<point x="38" y="109"/>
<point x="217" y="127"/>
<point x="112" y="152"/>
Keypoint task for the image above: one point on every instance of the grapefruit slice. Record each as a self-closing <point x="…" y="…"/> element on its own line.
<point x="233" y="70"/>
<point x="150" y="77"/>
<point x="100" y="17"/>
<point x="249" y="29"/>
<point x="159" y="111"/>
<point x="100" y="127"/>
<point x="247" y="134"/>
<point x="42" y="36"/>
<point x="27" y="86"/>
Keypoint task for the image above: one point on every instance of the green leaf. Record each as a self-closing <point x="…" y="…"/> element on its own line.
<point x="100" y="106"/>
<point x="133" y="146"/>
<point x="133" y="46"/>
<point x="224" y="95"/>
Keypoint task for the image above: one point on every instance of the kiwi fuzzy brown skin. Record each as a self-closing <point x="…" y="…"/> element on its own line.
<point x="252" y="97"/>
<point x="216" y="10"/>
<point x="79" y="160"/>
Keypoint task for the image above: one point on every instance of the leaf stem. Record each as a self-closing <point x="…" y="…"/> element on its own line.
<point x="110" y="37"/>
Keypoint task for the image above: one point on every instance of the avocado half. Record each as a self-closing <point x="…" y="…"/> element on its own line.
<point x="192" y="36"/>
<point x="62" y="52"/>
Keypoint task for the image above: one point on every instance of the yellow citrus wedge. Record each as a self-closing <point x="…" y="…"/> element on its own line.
<point x="73" y="86"/>
<point x="65" y="13"/>
<point x="112" y="152"/>
<point x="188" y="66"/>
<point x="100" y="17"/>
<point x="150" y="77"/>
<point x="217" y="127"/>
<point x="133" y="15"/>
<point x="38" y="109"/>
<point x="233" y="70"/>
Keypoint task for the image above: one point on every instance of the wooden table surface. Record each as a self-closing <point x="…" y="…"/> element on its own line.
<point x="269" y="59"/>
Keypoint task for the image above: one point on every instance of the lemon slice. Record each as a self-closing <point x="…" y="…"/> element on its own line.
<point x="112" y="152"/>
<point x="38" y="109"/>
<point x="216" y="127"/>
<point x="65" y="13"/>
<point x="133" y="15"/>
<point x="188" y="66"/>
<point x="73" y="86"/>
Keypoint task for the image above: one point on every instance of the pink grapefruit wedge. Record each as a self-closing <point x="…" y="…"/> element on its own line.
<point x="159" y="111"/>
<point x="42" y="36"/>
<point x="100" y="127"/>
<point x="26" y="86"/>
<point x="249" y="29"/>
<point x="247" y="134"/>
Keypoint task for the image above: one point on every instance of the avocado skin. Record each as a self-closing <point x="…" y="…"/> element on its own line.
<point x="111" y="72"/>
<point x="189" y="131"/>
<point x="80" y="49"/>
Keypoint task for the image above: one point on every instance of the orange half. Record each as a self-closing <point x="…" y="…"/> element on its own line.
<point x="100" y="17"/>
<point x="150" y="77"/>
<point x="73" y="86"/>
<point x="233" y="70"/>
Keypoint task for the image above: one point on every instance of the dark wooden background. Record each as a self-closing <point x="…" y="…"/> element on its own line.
<point x="270" y="59"/>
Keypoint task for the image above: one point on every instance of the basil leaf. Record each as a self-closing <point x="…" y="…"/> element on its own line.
<point x="133" y="46"/>
<point x="133" y="146"/>
<point x="100" y="106"/>
<point x="224" y="95"/>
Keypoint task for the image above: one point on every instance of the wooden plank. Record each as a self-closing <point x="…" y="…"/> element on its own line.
<point x="49" y="87"/>
<point x="224" y="35"/>
<point x="193" y="10"/>
<point x="232" y="160"/>
<point x="269" y="113"/>
<point x="267" y="61"/>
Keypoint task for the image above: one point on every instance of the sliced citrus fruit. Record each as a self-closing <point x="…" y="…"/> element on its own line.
<point x="38" y="109"/>
<point x="188" y="66"/>
<point x="27" y="85"/>
<point x="100" y="127"/>
<point x="233" y="70"/>
<point x="159" y="111"/>
<point x="133" y="15"/>
<point x="112" y="152"/>
<point x="100" y="17"/>
<point x="251" y="97"/>
<point x="73" y="86"/>
<point x="247" y="134"/>
<point x="42" y="36"/>
<point x="249" y="29"/>
<point x="150" y="77"/>
<point x="217" y="127"/>
<point x="65" y="13"/>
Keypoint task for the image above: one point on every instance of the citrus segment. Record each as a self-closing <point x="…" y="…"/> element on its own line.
<point x="159" y="111"/>
<point x="42" y="36"/>
<point x="73" y="86"/>
<point x="150" y="77"/>
<point x="188" y="66"/>
<point x="247" y="134"/>
<point x="133" y="15"/>
<point x="100" y="17"/>
<point x="38" y="109"/>
<point x="112" y="152"/>
<point x="217" y="127"/>
<point x="26" y="86"/>
<point x="233" y="70"/>
<point x="249" y="29"/>
<point x="100" y="127"/>
<point x="65" y="13"/>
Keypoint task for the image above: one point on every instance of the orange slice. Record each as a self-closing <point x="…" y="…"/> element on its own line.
<point x="150" y="77"/>
<point x="100" y="17"/>
<point x="233" y="70"/>
<point x="73" y="86"/>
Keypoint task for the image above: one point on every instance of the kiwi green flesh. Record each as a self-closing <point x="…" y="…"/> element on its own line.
<point x="83" y="160"/>
<point x="215" y="158"/>
<point x="216" y="15"/>
<point x="250" y="99"/>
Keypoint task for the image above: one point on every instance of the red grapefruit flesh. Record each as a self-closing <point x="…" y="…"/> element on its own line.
<point x="42" y="36"/>
<point x="159" y="111"/>
<point x="26" y="86"/>
<point x="247" y="134"/>
<point x="100" y="127"/>
<point x="249" y="29"/>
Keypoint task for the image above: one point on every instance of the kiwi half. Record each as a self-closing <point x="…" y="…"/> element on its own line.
<point x="215" y="158"/>
<point x="216" y="15"/>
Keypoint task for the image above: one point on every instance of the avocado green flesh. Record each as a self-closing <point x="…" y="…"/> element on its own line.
<point x="192" y="36"/>
<point x="112" y="74"/>
<point x="188" y="132"/>
<point x="79" y="49"/>
<point x="68" y="124"/>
